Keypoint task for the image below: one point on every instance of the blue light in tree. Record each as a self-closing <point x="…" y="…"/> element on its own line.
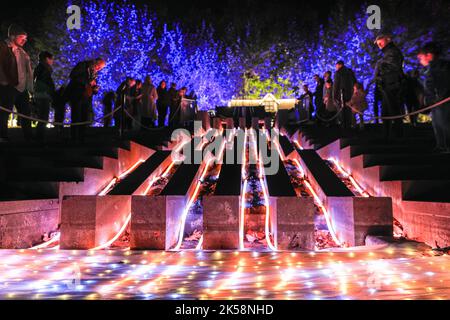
<point x="134" y="43"/>
<point x="126" y="37"/>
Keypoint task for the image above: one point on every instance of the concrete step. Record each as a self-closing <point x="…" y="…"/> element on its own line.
<point x="56" y="161"/>
<point x="229" y="182"/>
<point x="132" y="182"/>
<point x="181" y="181"/>
<point x="31" y="175"/>
<point x="325" y="177"/>
<point x="16" y="191"/>
<point x="320" y="136"/>
<point x="408" y="141"/>
<point x="433" y="191"/>
<point x="292" y="217"/>
<point x="99" y="150"/>
<point x="416" y="179"/>
<point x="353" y="218"/>
<point x="391" y="149"/>
<point x="408" y="172"/>
<point x="279" y="185"/>
<point x="371" y="160"/>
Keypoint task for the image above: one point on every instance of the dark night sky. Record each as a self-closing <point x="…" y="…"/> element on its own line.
<point x="194" y="11"/>
<point x="176" y="8"/>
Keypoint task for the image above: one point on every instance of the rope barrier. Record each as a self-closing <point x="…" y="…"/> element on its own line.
<point x="438" y="104"/>
<point x="140" y="124"/>
<point x="302" y="121"/>
<point x="332" y="118"/>
<point x="60" y="123"/>
<point x="386" y="117"/>
<point x="189" y="100"/>
<point x="148" y="128"/>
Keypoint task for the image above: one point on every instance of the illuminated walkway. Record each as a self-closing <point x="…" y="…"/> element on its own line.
<point x="389" y="273"/>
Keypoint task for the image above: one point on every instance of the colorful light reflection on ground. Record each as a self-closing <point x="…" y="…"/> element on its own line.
<point x="389" y="273"/>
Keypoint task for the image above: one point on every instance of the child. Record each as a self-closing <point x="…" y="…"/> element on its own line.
<point x="358" y="103"/>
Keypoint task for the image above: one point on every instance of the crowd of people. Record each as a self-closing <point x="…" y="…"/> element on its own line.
<point x="22" y="87"/>
<point x="341" y="100"/>
<point x="336" y="101"/>
<point x="145" y="104"/>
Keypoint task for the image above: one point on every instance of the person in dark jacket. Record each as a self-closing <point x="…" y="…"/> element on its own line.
<point x="175" y="106"/>
<point x="59" y="105"/>
<point x="125" y="95"/>
<point x="307" y="101"/>
<point x="162" y="103"/>
<point x="81" y="89"/>
<point x="437" y="88"/>
<point x="108" y="104"/>
<point x="318" y="98"/>
<point x="44" y="90"/>
<point x="377" y="100"/>
<point x="414" y="95"/>
<point x="137" y="103"/>
<point x="344" y="80"/>
<point x="390" y="79"/>
<point x="16" y="81"/>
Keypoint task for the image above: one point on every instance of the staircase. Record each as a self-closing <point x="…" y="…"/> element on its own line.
<point x="405" y="169"/>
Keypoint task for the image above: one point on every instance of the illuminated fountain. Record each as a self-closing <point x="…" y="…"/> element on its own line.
<point x="53" y="242"/>
<point x="193" y="211"/>
<point x="255" y="213"/>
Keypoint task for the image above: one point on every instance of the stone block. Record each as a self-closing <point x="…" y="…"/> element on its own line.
<point x="90" y="221"/>
<point x="155" y="222"/>
<point x="221" y="222"/>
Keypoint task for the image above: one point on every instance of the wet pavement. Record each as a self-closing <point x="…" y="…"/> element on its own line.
<point x="398" y="272"/>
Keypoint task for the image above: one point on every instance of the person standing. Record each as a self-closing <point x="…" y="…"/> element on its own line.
<point x="124" y="99"/>
<point x="162" y="103"/>
<point x="318" y="98"/>
<point x="59" y="106"/>
<point x="414" y="95"/>
<point x="175" y="105"/>
<point x="16" y="81"/>
<point x="194" y="102"/>
<point x="44" y="90"/>
<point x="148" y="106"/>
<point x="344" y="81"/>
<point x="327" y="76"/>
<point x="185" y="107"/>
<point x="390" y="79"/>
<point x="81" y="89"/>
<point x="137" y="104"/>
<point x="377" y="100"/>
<point x="329" y="103"/>
<point x="108" y="105"/>
<point x="306" y="100"/>
<point x="358" y="104"/>
<point x="437" y="88"/>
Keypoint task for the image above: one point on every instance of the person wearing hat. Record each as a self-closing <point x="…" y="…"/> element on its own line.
<point x="16" y="80"/>
<point x="390" y="80"/>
